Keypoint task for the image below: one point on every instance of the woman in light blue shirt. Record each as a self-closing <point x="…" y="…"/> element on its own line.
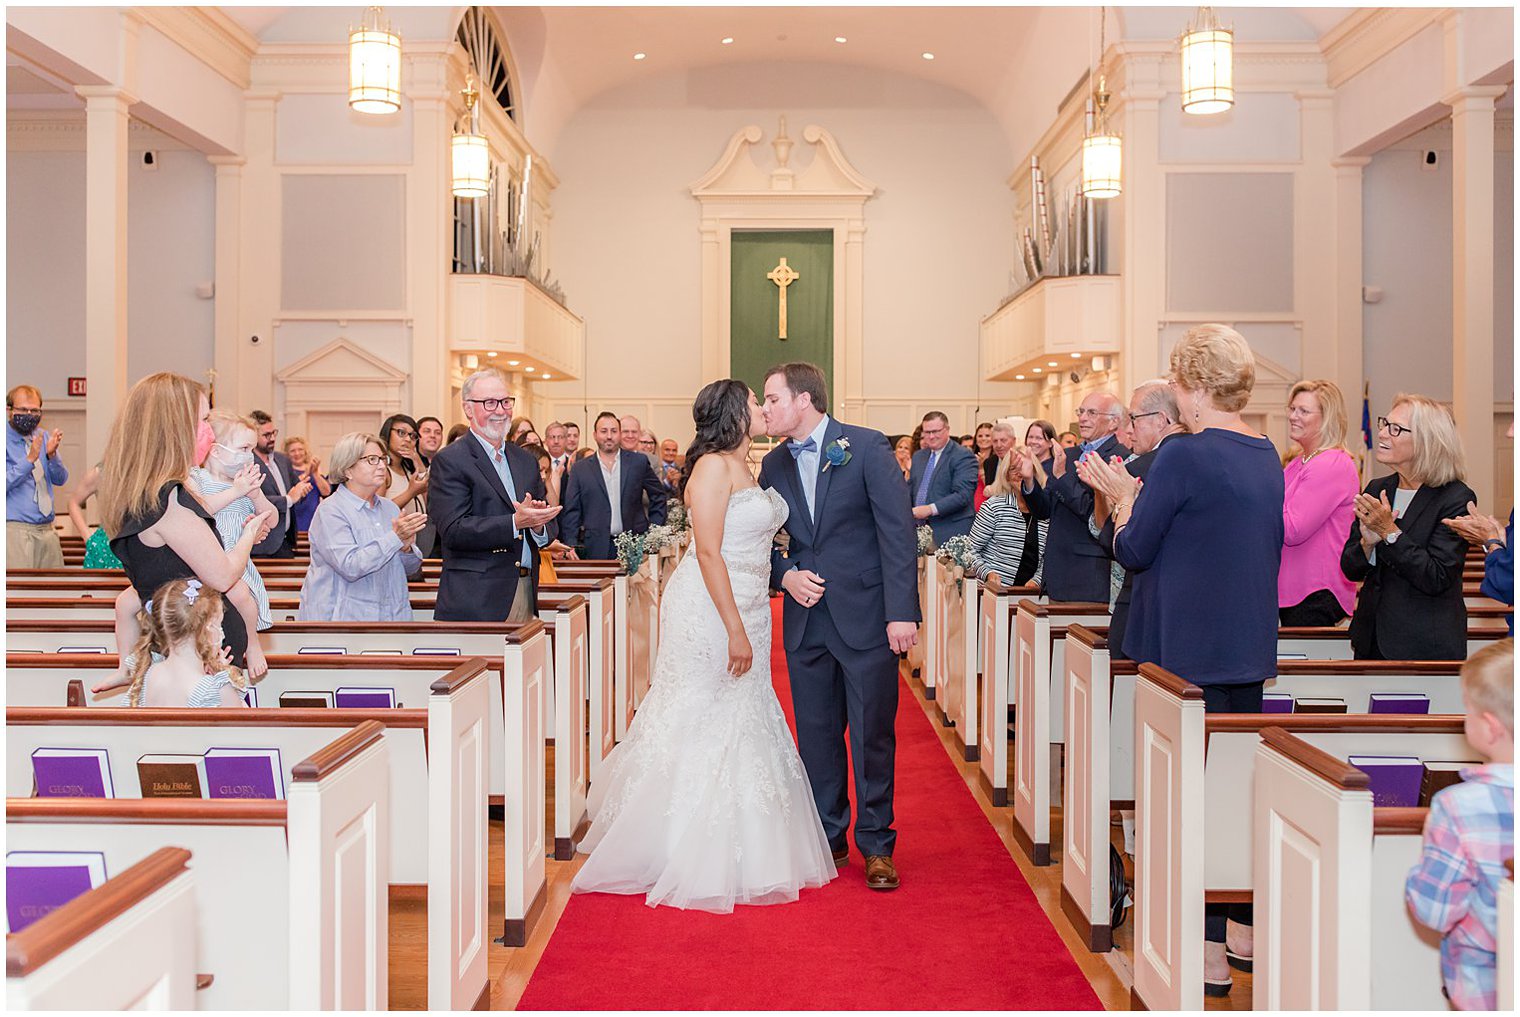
<point x="362" y="545"/>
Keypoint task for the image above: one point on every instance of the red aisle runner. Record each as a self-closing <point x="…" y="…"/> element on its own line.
<point x="964" y="931"/>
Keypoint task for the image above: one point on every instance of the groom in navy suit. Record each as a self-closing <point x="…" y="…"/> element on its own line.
<point x="851" y="578"/>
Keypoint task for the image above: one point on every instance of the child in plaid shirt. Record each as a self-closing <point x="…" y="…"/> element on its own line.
<point x="1469" y="834"/>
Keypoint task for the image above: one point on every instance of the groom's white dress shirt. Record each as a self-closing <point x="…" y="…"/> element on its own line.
<point x="807" y="463"/>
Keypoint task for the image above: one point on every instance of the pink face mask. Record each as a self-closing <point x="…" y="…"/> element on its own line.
<point x="205" y="437"/>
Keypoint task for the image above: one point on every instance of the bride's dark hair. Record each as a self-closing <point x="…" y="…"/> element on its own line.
<point x="721" y="413"/>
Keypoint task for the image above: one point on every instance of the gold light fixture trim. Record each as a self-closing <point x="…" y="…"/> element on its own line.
<point x="471" y="153"/>
<point x="374" y="65"/>
<point x="1102" y="149"/>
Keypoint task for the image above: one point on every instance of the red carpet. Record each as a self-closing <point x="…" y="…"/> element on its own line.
<point x="963" y="932"/>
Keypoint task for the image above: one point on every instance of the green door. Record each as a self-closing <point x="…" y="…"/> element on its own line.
<point x="755" y="344"/>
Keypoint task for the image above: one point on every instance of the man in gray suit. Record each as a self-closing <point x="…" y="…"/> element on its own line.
<point x="942" y="480"/>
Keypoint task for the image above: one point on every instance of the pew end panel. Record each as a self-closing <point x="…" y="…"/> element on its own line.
<point x="1085" y="825"/>
<point x="527" y="676"/>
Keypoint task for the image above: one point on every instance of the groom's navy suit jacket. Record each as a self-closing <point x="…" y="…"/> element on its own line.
<point x="861" y="538"/>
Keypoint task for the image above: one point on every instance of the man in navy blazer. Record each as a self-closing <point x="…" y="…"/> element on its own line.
<point x="488" y="502"/>
<point x="1076" y="566"/>
<point x="588" y="521"/>
<point x="850" y="572"/>
<point x="942" y="480"/>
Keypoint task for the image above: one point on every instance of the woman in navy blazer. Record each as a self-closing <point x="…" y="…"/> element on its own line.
<point x="1203" y="539"/>
<point x="1410" y="566"/>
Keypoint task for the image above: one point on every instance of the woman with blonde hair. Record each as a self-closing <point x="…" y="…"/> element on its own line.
<point x="1203" y="539"/>
<point x="179" y="660"/>
<point x="228" y="485"/>
<point x="1410" y="566"/>
<point x="160" y="531"/>
<point x="1320" y="484"/>
<point x="1000" y="534"/>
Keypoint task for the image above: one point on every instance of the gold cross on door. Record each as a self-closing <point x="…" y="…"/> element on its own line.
<point x="783" y="275"/>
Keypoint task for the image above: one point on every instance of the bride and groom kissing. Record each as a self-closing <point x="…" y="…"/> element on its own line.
<point x="707" y="803"/>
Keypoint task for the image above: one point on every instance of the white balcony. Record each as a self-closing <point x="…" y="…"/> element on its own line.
<point x="511" y="316"/>
<point x="1062" y="319"/>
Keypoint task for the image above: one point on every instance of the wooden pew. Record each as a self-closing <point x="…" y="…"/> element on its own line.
<point x="565" y="616"/>
<point x="996" y="620"/>
<point x="127" y="944"/>
<point x="956" y="607"/>
<point x="277" y="928"/>
<point x="637" y="635"/>
<point x="603" y="620"/>
<point x="1039" y="672"/>
<point x="1183" y="790"/>
<point x="1332" y="929"/>
<point x="932" y="625"/>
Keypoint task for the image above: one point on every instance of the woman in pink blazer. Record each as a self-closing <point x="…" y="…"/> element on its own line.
<point x="1320" y="485"/>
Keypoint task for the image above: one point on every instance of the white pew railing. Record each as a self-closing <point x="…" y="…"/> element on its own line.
<point x="1039" y="672"/>
<point x="1182" y="791"/>
<point x="128" y="944"/>
<point x="268" y="909"/>
<point x="524" y="687"/>
<point x="933" y="624"/>
<point x="996" y="623"/>
<point x="602" y="630"/>
<point x="565" y="618"/>
<point x="1332" y="929"/>
<point x="955" y="605"/>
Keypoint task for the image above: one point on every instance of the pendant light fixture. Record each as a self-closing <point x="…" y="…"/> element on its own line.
<point x="471" y="152"/>
<point x="1208" y="65"/>
<point x="1102" y="148"/>
<point x="374" y="65"/>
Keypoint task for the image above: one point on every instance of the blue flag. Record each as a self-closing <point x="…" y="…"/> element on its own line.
<point x="1366" y="414"/>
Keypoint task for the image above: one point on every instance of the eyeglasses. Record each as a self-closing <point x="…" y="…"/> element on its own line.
<point x="1299" y="411"/>
<point x="1394" y="430"/>
<point x="376" y="460"/>
<point x="493" y="405"/>
<point x="1140" y="416"/>
<point x="403" y="432"/>
<point x="1084" y="412"/>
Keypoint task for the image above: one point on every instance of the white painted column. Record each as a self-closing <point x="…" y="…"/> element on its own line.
<point x="105" y="258"/>
<point x="228" y="248"/>
<point x="1315" y="271"/>
<point x="1141" y="264"/>
<point x="714" y="353"/>
<point x="850" y="383"/>
<point x="1472" y="304"/>
<point x="1346" y="367"/>
<point x="260" y="259"/>
<point x="429" y="222"/>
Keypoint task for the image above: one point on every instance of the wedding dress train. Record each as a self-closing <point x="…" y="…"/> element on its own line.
<point x="705" y="804"/>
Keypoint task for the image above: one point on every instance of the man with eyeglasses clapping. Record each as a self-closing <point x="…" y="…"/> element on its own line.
<point x="491" y="510"/>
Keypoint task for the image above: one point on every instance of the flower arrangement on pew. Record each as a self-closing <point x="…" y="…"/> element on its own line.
<point x="956" y="553"/>
<point x="633" y="548"/>
<point x="925" y="541"/>
<point x="675" y="518"/>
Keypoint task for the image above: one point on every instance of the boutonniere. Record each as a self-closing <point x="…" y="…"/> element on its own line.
<point x="837" y="453"/>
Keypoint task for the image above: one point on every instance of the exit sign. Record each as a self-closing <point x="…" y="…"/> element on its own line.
<point x="76" y="386"/>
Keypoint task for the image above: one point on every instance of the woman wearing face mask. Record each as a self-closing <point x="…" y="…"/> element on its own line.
<point x="228" y="484"/>
<point x="160" y="531"/>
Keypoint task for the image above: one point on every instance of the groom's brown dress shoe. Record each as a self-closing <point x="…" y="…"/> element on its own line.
<point x="881" y="874"/>
<point x="842" y="856"/>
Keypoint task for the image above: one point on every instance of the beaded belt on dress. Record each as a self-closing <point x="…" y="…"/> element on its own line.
<point x="761" y="570"/>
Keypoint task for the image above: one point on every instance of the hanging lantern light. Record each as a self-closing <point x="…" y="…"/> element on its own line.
<point x="471" y="153"/>
<point x="374" y="65"/>
<point x="1208" y="65"/>
<point x="1102" y="148"/>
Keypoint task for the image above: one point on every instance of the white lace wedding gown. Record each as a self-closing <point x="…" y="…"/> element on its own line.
<point x="706" y="805"/>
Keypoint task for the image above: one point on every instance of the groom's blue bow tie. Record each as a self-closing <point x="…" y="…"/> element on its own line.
<point x="797" y="448"/>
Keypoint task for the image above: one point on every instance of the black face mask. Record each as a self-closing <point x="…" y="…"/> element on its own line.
<point x="25" y="423"/>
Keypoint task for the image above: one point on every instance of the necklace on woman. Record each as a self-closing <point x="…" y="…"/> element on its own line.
<point x="1311" y="455"/>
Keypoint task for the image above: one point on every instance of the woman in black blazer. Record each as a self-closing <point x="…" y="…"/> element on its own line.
<point x="1410" y="566"/>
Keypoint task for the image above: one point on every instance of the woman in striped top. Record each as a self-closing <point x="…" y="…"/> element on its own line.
<point x="1000" y="553"/>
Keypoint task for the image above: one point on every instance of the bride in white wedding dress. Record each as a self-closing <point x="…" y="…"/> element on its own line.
<point x="705" y="804"/>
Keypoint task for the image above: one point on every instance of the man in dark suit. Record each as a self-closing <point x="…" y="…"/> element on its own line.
<point x="489" y="504"/>
<point x="1153" y="419"/>
<point x="280" y="486"/>
<point x="593" y="516"/>
<point x="851" y="574"/>
<point x="1076" y="566"/>
<point x="942" y="480"/>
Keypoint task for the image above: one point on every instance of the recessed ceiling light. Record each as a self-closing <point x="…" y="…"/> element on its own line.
<point x="1076" y="356"/>
<point x="546" y="375"/>
<point x="1018" y="377"/>
<point x="513" y="363"/>
<point x="491" y="354"/>
<point x="528" y="369"/>
<point x="638" y="56"/>
<point x="1054" y="364"/>
<point x="840" y="39"/>
<point x="728" y="40"/>
<point x="928" y="56"/>
<point x="1037" y="370"/>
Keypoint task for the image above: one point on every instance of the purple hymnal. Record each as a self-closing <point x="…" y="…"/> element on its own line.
<point x="244" y="773"/>
<point x="36" y="882"/>
<point x="1276" y="702"/>
<point x="1398" y="702"/>
<point x="72" y="773"/>
<point x="1395" y="780"/>
<point x="353" y="698"/>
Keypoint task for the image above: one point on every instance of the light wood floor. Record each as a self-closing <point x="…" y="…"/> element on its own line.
<point x="510" y="969"/>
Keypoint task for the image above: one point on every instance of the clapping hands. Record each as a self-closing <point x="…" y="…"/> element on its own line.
<point x="1375" y="516"/>
<point x="1109" y="479"/>
<point x="248" y="480"/>
<point x="407" y="525"/>
<point x="531" y="513"/>
<point x="1475" y="527"/>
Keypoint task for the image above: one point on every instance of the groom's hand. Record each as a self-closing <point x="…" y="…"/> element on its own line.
<point x="805" y="586"/>
<point x="902" y="636"/>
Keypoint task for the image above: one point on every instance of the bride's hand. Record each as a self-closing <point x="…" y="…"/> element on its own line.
<point x="740" y="655"/>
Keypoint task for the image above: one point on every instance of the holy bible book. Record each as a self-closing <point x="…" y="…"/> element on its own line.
<point x="307" y="700"/>
<point x="1394" y="780"/>
<point x="1319" y="704"/>
<point x="37" y="882"/>
<point x="172" y="775"/>
<point x="72" y="773"/>
<point x="1441" y="774"/>
<point x="244" y="773"/>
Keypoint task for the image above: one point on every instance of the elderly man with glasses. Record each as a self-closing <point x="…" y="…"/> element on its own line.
<point x="1076" y="566"/>
<point x="492" y="512"/>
